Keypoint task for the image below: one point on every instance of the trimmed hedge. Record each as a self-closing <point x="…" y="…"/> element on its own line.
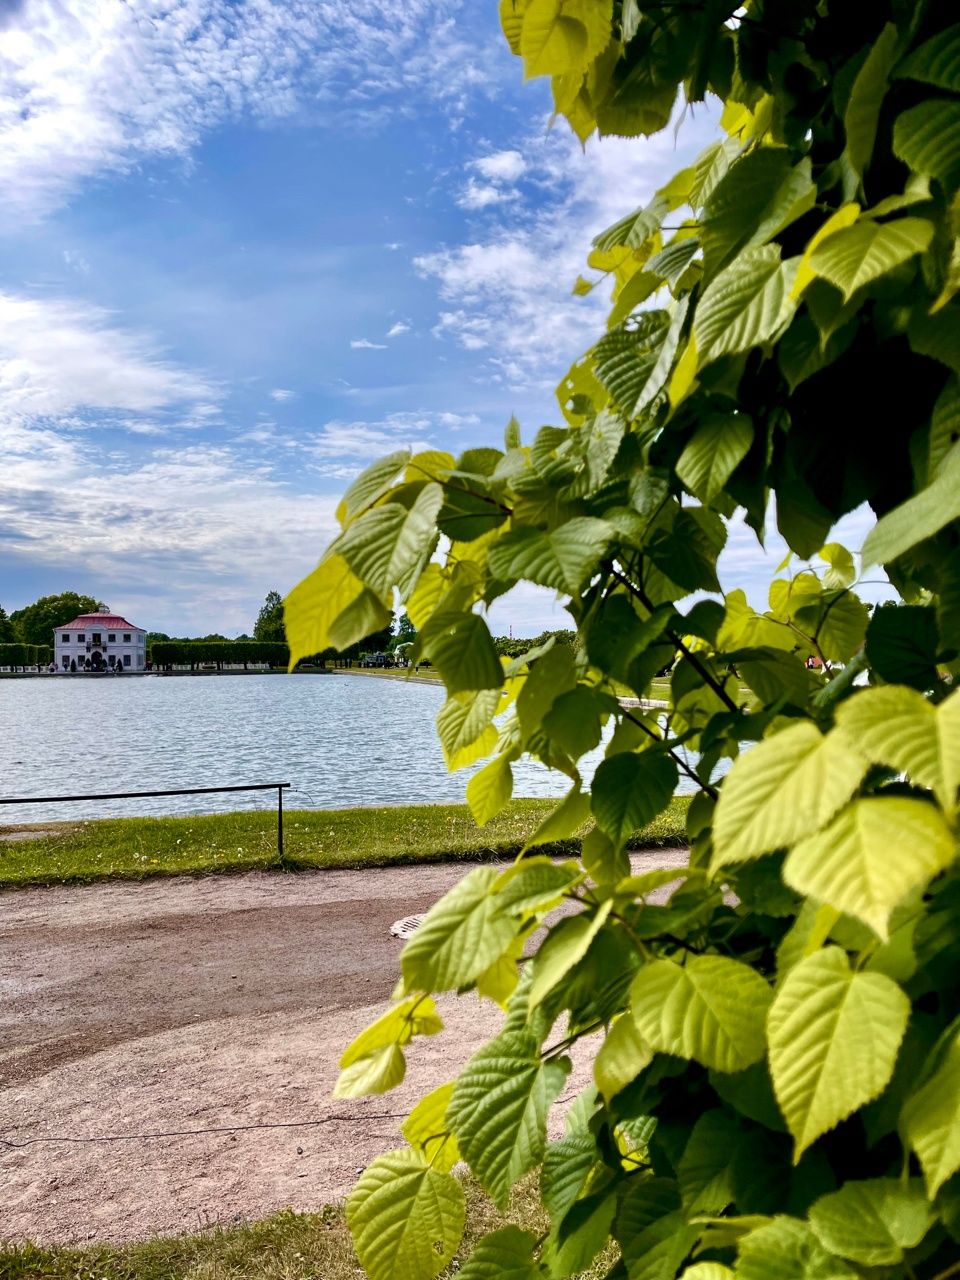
<point x="194" y="653"/>
<point x="25" y="655"/>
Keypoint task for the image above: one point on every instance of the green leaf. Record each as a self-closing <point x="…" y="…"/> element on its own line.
<point x="899" y="728"/>
<point x="625" y="359"/>
<point x="746" y="305"/>
<point x="388" y="546"/>
<point x="560" y="36"/>
<point x="710" y="1009"/>
<point x="315" y="603"/>
<point x="499" y="1109"/>
<point x="465" y="727"/>
<point x="866" y="97"/>
<point x="426" y="1129"/>
<point x="570" y="815"/>
<point x="459" y="646"/>
<point x="629" y="790"/>
<point x="834" y="1037"/>
<point x="707" y="1271"/>
<point x="936" y="61"/>
<point x="621" y="1057"/>
<point x="671" y="262"/>
<point x="927" y="138"/>
<point x="377" y="1072"/>
<point x="650" y="1229"/>
<point x="574" y="722"/>
<point x="773" y="674"/>
<point x="872" y="1222"/>
<point x="536" y="884"/>
<point x="762" y="193"/>
<point x="490" y="789"/>
<point x="405" y="1218"/>
<point x="506" y="1254"/>
<point x="576" y="1241"/>
<point x="566" y="1166"/>
<point x="854" y="256"/>
<point x="869" y="858"/>
<point x="920" y="517"/>
<point x="944" y="426"/>
<point x="786" y="1249"/>
<point x="563" y="559"/>
<point x="782" y="789"/>
<point x="717" y="448"/>
<point x="930" y="1121"/>
<point x="902" y="645"/>
<point x="415" y="1016"/>
<point x="564" y="946"/>
<point x="843" y="570"/>
<point x="460" y="936"/>
<point x="362" y="617"/>
<point x="371" y="484"/>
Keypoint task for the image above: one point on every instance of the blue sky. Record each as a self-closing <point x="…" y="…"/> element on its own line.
<point x="245" y="248"/>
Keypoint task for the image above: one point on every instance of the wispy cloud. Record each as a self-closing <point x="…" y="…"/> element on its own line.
<point x="364" y="344"/>
<point x="397" y="329"/>
<point x="360" y="441"/>
<point x="282" y="394"/>
<point x="88" y="86"/>
<point x="59" y="356"/>
<point x="508" y="291"/>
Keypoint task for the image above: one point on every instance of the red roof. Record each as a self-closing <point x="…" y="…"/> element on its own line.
<point x="102" y="621"/>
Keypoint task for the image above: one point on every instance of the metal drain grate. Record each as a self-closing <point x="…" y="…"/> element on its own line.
<point x="406" y="927"/>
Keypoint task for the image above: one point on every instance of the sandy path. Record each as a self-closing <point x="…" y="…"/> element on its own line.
<point x="132" y="1009"/>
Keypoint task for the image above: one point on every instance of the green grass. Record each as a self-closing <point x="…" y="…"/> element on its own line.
<point x="135" y="848"/>
<point x="288" y="1246"/>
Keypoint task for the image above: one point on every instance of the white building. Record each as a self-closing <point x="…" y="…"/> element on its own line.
<point x="99" y="641"/>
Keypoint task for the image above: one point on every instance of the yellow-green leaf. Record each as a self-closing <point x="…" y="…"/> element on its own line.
<point x="406" y="1219"/>
<point x="622" y="1056"/>
<point x="710" y="1009"/>
<point x="782" y="789"/>
<point x="930" y="1121"/>
<point x="315" y="603"/>
<point x="490" y="789"/>
<point x="460" y="936"/>
<point x="560" y="36"/>
<point x="871" y="856"/>
<point x="852" y="257"/>
<point x="426" y="1129"/>
<point x="898" y="727"/>
<point x="834" y="1037"/>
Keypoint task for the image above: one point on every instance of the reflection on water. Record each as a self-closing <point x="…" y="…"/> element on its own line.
<point x="341" y="740"/>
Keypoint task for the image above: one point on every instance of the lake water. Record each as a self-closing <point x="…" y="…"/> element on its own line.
<point x="341" y="740"/>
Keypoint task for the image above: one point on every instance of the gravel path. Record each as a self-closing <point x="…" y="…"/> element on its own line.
<point x="189" y="1004"/>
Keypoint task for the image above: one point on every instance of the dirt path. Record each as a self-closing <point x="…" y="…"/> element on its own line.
<point x="136" y="1009"/>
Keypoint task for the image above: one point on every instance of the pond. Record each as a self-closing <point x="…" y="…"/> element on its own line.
<point x="341" y="740"/>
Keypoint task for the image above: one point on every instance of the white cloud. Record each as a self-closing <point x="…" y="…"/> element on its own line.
<point x="508" y="292"/>
<point x="501" y="166"/>
<point x="364" y="344"/>
<point x="397" y="329"/>
<point x="480" y="195"/>
<point x="76" y="262"/>
<point x="59" y="356"/>
<point x="282" y="394"/>
<point x="88" y="86"/>
<point x="362" y="441"/>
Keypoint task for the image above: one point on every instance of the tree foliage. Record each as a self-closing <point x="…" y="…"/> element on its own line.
<point x="35" y="623"/>
<point x="269" y="623"/>
<point x="777" y="1048"/>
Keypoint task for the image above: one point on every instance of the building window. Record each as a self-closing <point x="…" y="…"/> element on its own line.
<point x="126" y="659"/>
<point x="126" y="639"/>
<point x="66" y="637"/>
<point x="111" y="638"/>
<point x="80" y="638"/>
<point x="96" y="638"/>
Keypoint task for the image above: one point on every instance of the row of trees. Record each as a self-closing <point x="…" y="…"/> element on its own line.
<point x="19" y="656"/>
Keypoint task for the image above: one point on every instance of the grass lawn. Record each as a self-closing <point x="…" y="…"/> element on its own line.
<point x="134" y="848"/>
<point x="288" y="1246"/>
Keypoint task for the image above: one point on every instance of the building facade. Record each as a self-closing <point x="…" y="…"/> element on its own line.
<point x="100" y="642"/>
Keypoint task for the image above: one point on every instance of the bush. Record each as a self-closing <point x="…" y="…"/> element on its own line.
<point x="776" y="1050"/>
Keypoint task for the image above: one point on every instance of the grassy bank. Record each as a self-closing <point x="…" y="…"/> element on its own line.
<point x="134" y="848"/>
<point x="288" y="1246"/>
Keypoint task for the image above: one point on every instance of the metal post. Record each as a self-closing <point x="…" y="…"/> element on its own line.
<point x="280" y="822"/>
